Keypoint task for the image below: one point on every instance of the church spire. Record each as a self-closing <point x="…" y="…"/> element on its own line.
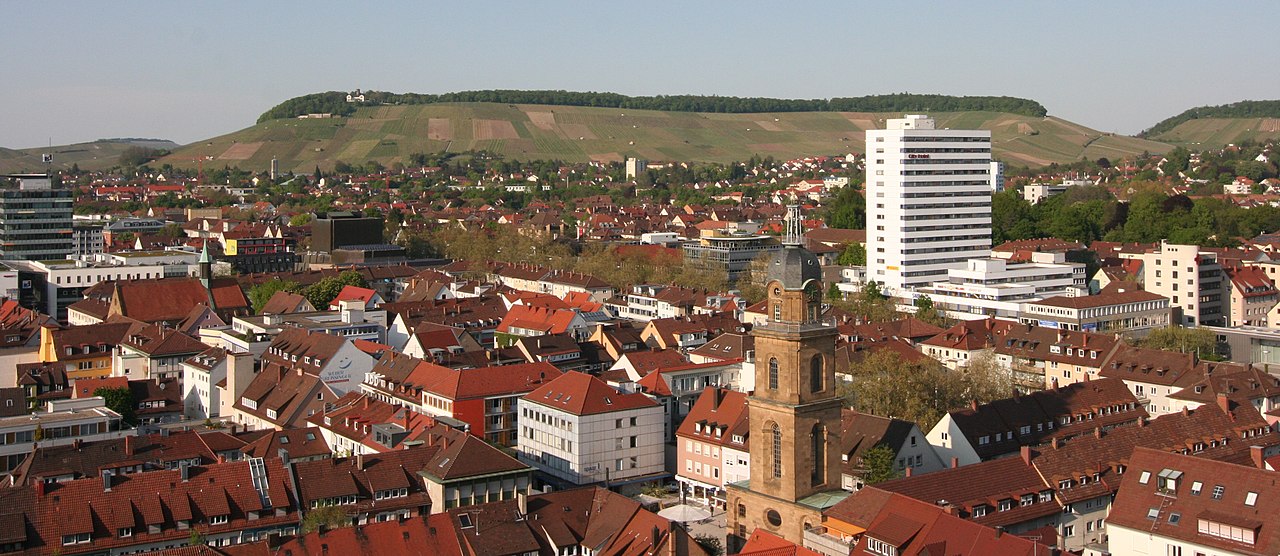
<point x="206" y="265"/>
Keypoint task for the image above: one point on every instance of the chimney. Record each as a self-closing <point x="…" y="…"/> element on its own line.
<point x="907" y="473"/>
<point x="1026" y="455"/>
<point x="77" y="444"/>
<point x="1255" y="453"/>
<point x="1186" y="411"/>
<point x="1224" y="403"/>
<point x="106" y="480"/>
<point x="1053" y="442"/>
<point x="184" y="470"/>
<point x="522" y="503"/>
<point x="999" y="531"/>
<point x="1142" y="421"/>
<point x="284" y="456"/>
<point x="128" y="445"/>
<point x="955" y="462"/>
<point x="1097" y="432"/>
<point x="654" y="536"/>
<point x="973" y="404"/>
<point x="360" y="461"/>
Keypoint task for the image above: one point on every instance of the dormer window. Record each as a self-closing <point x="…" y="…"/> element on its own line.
<point x="877" y="546"/>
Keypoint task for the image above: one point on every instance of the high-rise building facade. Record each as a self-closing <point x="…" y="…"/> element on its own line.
<point x="35" y="220"/>
<point x="928" y="201"/>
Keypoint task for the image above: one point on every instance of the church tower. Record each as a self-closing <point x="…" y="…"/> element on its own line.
<point x="794" y="411"/>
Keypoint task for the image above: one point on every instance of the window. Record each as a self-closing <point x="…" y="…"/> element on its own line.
<point x="218" y="519"/>
<point x="773" y="373"/>
<point x="1251" y="499"/>
<point x="1174" y="550"/>
<point x="1218" y="491"/>
<point x="777" y="451"/>
<point x="1146" y="476"/>
<point x="1196" y="487"/>
<point x="877" y="546"/>
<point x="76" y="538"/>
<point x="816" y="378"/>
<point x="1069" y="530"/>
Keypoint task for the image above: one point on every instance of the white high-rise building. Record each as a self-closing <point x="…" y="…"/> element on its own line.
<point x="928" y="202"/>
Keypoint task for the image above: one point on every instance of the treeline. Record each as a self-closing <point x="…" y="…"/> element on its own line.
<point x="331" y="102"/>
<point x="1091" y="213"/>
<point x="1242" y="109"/>
<point x="335" y="103"/>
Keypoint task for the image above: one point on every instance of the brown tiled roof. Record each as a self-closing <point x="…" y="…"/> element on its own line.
<point x="1088" y="405"/>
<point x="429" y="535"/>
<point x="283" y="302"/>
<point x="1152" y="366"/>
<point x="860" y="432"/>
<point x="919" y="527"/>
<point x="101" y="338"/>
<point x="1099" y="299"/>
<point x="159" y="498"/>
<point x="1135" y="500"/>
<point x="363" y="476"/>
<point x="722" y="414"/>
<point x="970" y="335"/>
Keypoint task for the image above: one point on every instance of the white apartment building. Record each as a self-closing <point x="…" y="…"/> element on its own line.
<point x="581" y="431"/>
<point x="997" y="176"/>
<point x="928" y="201"/>
<point x="201" y="397"/>
<point x="992" y="287"/>
<point x="1192" y="280"/>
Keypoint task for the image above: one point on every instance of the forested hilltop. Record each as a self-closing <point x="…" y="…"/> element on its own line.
<point x="1242" y="109"/>
<point x="335" y="103"/>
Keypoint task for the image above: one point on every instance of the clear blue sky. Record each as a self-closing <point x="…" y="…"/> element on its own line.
<point x="79" y="71"/>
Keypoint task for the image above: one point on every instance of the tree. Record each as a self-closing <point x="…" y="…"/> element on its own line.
<point x="1200" y="341"/>
<point x="120" y="400"/>
<point x="878" y="465"/>
<point x="712" y="545"/>
<point x="926" y="312"/>
<point x="261" y="293"/>
<point x="848" y="210"/>
<point x="855" y="254"/>
<point x="171" y="230"/>
<point x="323" y="291"/>
<point x="300" y="219"/>
<point x="920" y="390"/>
<point x="325" y="517"/>
<point x="196" y="538"/>
<point x="871" y="291"/>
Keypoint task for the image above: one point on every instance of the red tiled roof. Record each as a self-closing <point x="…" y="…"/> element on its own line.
<point x="582" y="394"/>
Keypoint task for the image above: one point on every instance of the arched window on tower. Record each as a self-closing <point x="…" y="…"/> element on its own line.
<point x="777" y="451"/>
<point x="816" y="378"/>
<point x="818" y="437"/>
<point x="773" y="373"/>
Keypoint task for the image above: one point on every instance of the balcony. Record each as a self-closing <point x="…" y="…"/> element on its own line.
<point x="820" y="540"/>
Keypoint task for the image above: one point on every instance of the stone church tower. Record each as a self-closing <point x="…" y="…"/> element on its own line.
<point x="794" y="411"/>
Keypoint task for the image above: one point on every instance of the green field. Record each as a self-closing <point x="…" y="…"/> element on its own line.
<point x="1204" y="133"/>
<point x="389" y="134"/>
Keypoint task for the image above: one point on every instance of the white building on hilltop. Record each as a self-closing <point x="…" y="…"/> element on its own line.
<point x="928" y="201"/>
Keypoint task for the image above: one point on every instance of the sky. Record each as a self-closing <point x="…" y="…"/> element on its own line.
<point x="80" y="71"/>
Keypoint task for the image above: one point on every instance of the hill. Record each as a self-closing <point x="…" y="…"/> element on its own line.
<point x="343" y="104"/>
<point x="390" y="134"/>
<point x="1217" y="126"/>
<point x="97" y="155"/>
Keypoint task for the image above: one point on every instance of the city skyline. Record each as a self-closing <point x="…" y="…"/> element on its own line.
<point x="91" y="71"/>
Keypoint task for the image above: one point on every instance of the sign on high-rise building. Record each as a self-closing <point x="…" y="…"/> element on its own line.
<point x="928" y="201"/>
